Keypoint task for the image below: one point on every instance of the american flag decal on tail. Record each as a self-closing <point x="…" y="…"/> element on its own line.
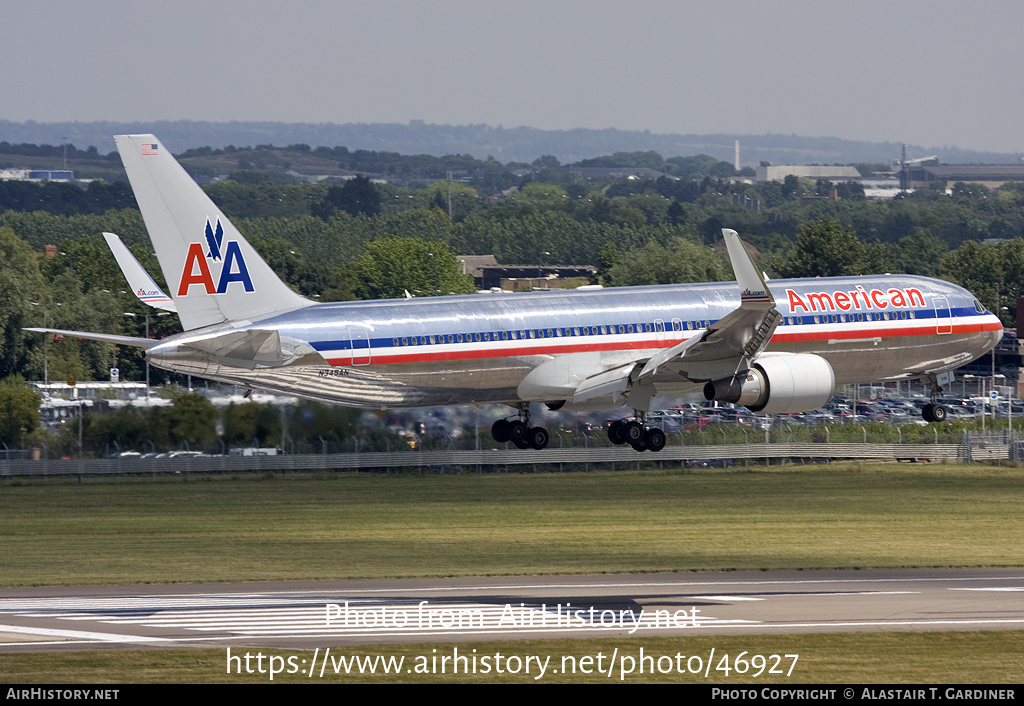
<point x="151" y="148"/>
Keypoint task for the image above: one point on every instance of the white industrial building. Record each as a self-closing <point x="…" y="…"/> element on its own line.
<point x="771" y="173"/>
<point x="36" y="175"/>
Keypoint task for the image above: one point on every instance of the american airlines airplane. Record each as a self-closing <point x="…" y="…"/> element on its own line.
<point x="774" y="350"/>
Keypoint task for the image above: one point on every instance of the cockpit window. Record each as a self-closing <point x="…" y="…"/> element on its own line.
<point x="978" y="307"/>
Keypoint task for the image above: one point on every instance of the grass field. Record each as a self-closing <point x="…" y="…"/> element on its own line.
<point x="354" y="526"/>
<point x="376" y="525"/>
<point x="849" y="658"/>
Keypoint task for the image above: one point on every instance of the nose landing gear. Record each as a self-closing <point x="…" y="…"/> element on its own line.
<point x="934" y="412"/>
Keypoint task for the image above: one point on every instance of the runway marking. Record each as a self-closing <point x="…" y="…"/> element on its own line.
<point x="145" y="601"/>
<point x="763" y="628"/>
<point x="668" y="584"/>
<point x="301" y="618"/>
<point x="78" y="634"/>
<point x="816" y="594"/>
<point x="300" y="614"/>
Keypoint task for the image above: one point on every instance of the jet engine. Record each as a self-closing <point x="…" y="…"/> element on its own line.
<point x="778" y="383"/>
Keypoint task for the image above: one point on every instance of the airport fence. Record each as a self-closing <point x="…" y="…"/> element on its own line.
<point x="971" y="447"/>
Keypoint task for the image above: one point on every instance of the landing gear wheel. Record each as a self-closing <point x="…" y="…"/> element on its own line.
<point x="938" y="413"/>
<point x="538" y="437"/>
<point x="633" y="433"/>
<point x="499" y="430"/>
<point x="928" y="412"/>
<point x="655" y="439"/>
<point x="517" y="432"/>
<point x="616" y="431"/>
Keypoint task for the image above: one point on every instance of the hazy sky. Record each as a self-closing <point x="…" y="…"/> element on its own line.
<point x="930" y="72"/>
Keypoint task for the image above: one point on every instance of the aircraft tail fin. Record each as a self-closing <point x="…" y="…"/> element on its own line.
<point x="139" y="280"/>
<point x="213" y="273"/>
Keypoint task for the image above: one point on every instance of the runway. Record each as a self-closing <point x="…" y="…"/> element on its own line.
<point x="312" y="614"/>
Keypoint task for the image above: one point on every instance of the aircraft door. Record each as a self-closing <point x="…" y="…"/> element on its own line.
<point x="359" y="341"/>
<point x="943" y="318"/>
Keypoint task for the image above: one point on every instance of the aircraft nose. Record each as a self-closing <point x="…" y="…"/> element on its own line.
<point x="994" y="337"/>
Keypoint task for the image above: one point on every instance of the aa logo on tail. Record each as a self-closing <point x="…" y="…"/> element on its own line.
<point x="197" y="264"/>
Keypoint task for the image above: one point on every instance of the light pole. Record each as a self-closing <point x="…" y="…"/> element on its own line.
<point x="135" y="316"/>
<point x="437" y="285"/>
<point x="46" y="340"/>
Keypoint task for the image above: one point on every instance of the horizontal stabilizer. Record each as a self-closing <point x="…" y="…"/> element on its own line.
<point x="139" y="280"/>
<point x="106" y="337"/>
<point x="249" y="348"/>
<point x="257" y="346"/>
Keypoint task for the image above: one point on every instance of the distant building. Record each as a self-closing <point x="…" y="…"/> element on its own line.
<point x="519" y="277"/>
<point x="833" y="195"/>
<point x="89" y="390"/>
<point x="488" y="274"/>
<point x="36" y="175"/>
<point x="990" y="175"/>
<point x="473" y="264"/>
<point x="502" y="195"/>
<point x="770" y="173"/>
<point x="614" y="172"/>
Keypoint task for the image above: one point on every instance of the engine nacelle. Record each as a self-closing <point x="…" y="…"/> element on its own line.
<point x="778" y="383"/>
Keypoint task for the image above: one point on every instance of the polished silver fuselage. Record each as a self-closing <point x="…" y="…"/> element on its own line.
<point x="480" y="348"/>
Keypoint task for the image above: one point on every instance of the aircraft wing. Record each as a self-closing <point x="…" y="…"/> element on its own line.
<point x="138" y="279"/>
<point x="727" y="347"/>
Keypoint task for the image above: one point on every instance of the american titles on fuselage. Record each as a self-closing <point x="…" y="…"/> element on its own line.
<point x="853" y="299"/>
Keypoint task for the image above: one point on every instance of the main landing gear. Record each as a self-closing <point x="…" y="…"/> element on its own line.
<point x="636" y="433"/>
<point x="519" y="431"/>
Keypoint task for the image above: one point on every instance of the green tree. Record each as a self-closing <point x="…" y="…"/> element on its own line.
<point x="19" y="410"/>
<point x="357" y="196"/>
<point x="251" y="424"/>
<point x="676" y="214"/>
<point x="20" y="284"/>
<point x="993" y="272"/>
<point x="680" y="261"/>
<point x="920" y="253"/>
<point x="826" y="248"/>
<point x="539" y="195"/>
<point x="970" y="191"/>
<point x="191" y="418"/>
<point x="608" y="258"/>
<point x="391" y="266"/>
<point x="547" y="161"/>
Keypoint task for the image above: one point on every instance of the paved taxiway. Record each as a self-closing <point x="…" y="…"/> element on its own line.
<point x="295" y="614"/>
